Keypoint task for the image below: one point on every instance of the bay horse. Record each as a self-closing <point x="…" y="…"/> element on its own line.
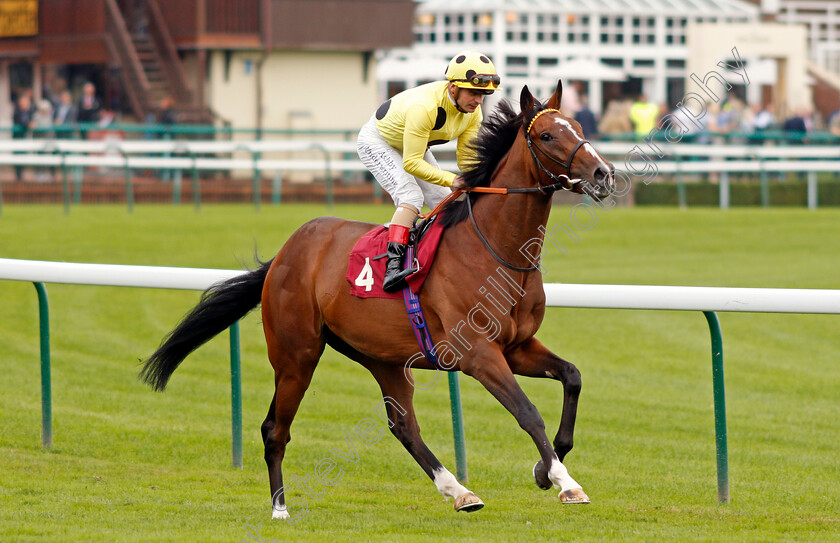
<point x="306" y="302"/>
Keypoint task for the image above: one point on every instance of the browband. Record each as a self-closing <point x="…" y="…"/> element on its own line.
<point x="537" y="116"/>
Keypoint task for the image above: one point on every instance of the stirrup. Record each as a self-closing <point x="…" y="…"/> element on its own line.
<point x="397" y="282"/>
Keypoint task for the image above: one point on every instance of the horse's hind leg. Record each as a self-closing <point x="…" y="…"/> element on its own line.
<point x="294" y="356"/>
<point x="533" y="359"/>
<point x="398" y="397"/>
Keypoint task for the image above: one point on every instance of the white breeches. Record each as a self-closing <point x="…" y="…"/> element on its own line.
<point x="386" y="165"/>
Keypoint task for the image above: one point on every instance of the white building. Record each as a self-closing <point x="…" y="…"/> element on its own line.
<point x="822" y="21"/>
<point x="619" y="47"/>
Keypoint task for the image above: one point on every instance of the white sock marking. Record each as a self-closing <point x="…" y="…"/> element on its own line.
<point x="559" y="476"/>
<point x="447" y="484"/>
<point x="279" y="511"/>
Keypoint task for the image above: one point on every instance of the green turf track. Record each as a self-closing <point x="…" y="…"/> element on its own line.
<point x="129" y="464"/>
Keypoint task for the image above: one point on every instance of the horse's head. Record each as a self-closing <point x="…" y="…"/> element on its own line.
<point x="559" y="151"/>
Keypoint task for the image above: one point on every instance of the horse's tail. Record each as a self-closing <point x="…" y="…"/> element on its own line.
<point x="221" y="305"/>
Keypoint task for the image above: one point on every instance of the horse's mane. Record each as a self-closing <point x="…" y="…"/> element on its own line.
<point x="495" y="138"/>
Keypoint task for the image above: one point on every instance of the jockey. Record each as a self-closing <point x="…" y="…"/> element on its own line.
<point x="394" y="145"/>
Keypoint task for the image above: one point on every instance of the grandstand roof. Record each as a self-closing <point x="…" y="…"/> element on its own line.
<point x="735" y="7"/>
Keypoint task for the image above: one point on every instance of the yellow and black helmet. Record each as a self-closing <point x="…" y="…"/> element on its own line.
<point x="473" y="70"/>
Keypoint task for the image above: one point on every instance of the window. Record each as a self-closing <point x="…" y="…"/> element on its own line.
<point x="577" y="29"/>
<point x="612" y="30"/>
<point x="454" y="28"/>
<point x="548" y="28"/>
<point x="424" y="28"/>
<point x="675" y="30"/>
<point x="644" y="30"/>
<point x="517" y="65"/>
<point x="517" y="27"/>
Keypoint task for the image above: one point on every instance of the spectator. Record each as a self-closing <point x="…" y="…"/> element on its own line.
<point x="795" y="127"/>
<point x="727" y="119"/>
<point x="53" y="88"/>
<point x="65" y="114"/>
<point x="808" y="118"/>
<point x="570" y="102"/>
<point x="43" y="119"/>
<point x="106" y="118"/>
<point x="586" y="118"/>
<point x="616" y="120"/>
<point x="834" y="124"/>
<point x="23" y="120"/>
<point x="43" y="129"/>
<point x="765" y="118"/>
<point x="89" y="106"/>
<point x="748" y="118"/>
<point x="643" y="115"/>
<point x="168" y="115"/>
<point x="731" y="112"/>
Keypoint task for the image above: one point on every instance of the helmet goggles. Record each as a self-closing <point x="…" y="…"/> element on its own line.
<point x="482" y="80"/>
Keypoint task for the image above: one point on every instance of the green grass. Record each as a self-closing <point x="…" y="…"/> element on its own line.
<point x="129" y="464"/>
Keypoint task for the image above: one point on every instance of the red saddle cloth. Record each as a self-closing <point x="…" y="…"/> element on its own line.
<point x="365" y="274"/>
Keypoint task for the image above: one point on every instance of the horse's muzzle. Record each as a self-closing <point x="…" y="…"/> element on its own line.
<point x="603" y="182"/>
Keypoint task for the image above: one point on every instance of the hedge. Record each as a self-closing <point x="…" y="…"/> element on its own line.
<point x="782" y="193"/>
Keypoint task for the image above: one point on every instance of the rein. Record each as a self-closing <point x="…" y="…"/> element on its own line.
<point x="490" y="249"/>
<point x="561" y="182"/>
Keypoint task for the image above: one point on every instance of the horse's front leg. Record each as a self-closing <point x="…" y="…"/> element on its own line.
<point x="533" y="359"/>
<point x="491" y="369"/>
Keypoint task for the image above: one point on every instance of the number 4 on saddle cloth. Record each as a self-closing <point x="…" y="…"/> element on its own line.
<point x="366" y="271"/>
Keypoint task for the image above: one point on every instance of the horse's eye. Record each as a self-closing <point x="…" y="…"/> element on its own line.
<point x="545" y="136"/>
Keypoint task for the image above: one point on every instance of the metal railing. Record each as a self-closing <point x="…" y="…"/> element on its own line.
<point x="708" y="300"/>
<point x="337" y="157"/>
<point x="769" y="138"/>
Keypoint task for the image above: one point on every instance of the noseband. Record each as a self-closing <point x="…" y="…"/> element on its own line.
<point x="558" y="179"/>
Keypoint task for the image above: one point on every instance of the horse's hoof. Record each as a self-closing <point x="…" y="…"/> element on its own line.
<point x="574" y="495"/>
<point x="468" y="503"/>
<point x="541" y="476"/>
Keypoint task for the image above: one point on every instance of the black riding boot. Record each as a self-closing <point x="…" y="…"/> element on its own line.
<point x="394" y="274"/>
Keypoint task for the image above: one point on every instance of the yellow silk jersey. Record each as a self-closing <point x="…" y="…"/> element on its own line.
<point x="418" y="118"/>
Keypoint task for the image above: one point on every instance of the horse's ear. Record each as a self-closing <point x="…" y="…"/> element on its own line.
<point x="554" y="101"/>
<point x="526" y="101"/>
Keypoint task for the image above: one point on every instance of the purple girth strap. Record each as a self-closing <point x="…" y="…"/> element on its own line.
<point x="418" y="320"/>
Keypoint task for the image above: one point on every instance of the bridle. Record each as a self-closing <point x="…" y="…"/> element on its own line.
<point x="561" y="182"/>
<point x="558" y="179"/>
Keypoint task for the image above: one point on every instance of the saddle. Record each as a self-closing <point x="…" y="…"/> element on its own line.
<point x="366" y="267"/>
